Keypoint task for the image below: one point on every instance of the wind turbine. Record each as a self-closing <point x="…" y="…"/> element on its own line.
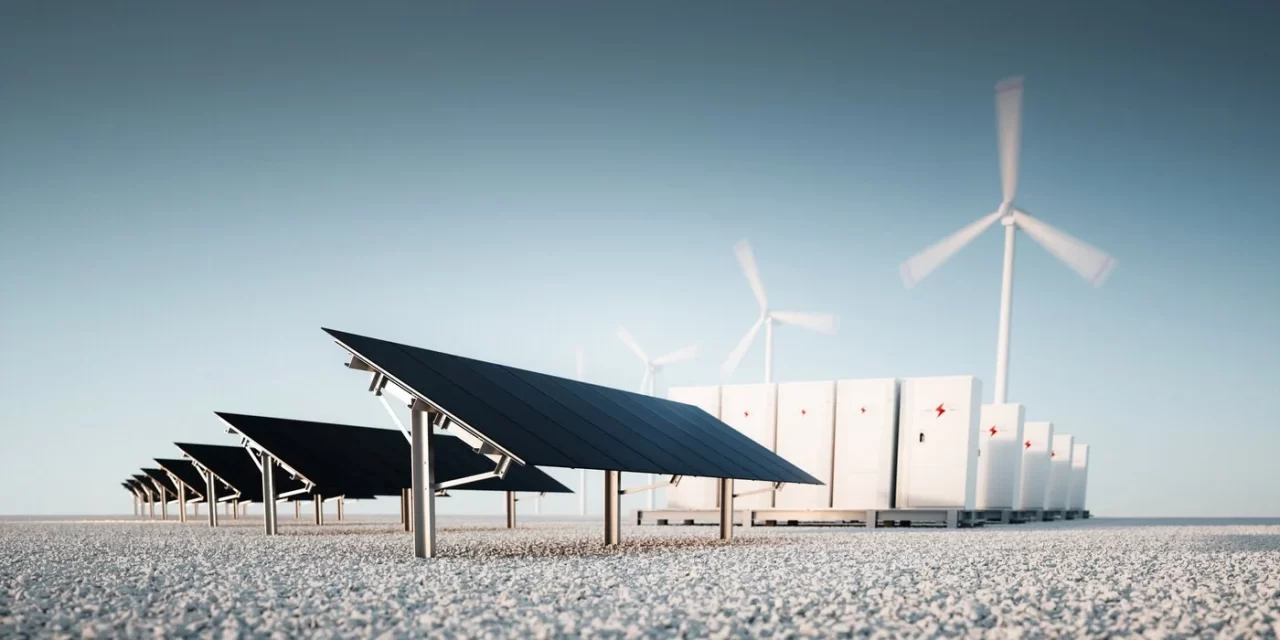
<point x="651" y="369"/>
<point x="1093" y="265"/>
<point x="580" y="374"/>
<point x="820" y="322"/>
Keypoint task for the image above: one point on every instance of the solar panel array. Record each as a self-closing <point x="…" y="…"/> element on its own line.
<point x="362" y="461"/>
<point x="158" y="475"/>
<point x="233" y="466"/>
<point x="186" y="472"/>
<point x="553" y="421"/>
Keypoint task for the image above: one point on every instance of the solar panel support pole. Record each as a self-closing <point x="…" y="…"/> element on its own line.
<point x="151" y="505"/>
<point x="511" y="509"/>
<point x="297" y="510"/>
<point x="164" y="504"/>
<point x="612" y="508"/>
<point x="424" y="495"/>
<point x="182" y="503"/>
<point x="211" y="496"/>
<point x="340" y="504"/>
<point x="319" y="504"/>
<point x="268" y="494"/>
<point x="726" y="509"/>
<point x="404" y="508"/>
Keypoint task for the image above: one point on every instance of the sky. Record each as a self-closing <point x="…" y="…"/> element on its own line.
<point x="189" y="192"/>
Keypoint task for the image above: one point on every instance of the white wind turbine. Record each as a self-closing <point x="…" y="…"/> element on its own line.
<point x="651" y="369"/>
<point x="1090" y="263"/>
<point x="580" y="373"/>
<point x="820" y="322"/>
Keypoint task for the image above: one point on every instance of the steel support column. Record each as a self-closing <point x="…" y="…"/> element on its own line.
<point x="182" y="503"/>
<point x="211" y="496"/>
<point x="424" y="495"/>
<point x="726" y="509"/>
<point x="340" y="501"/>
<point x="297" y="509"/>
<point x="318" y="501"/>
<point x="164" y="503"/>
<point x="269" y="495"/>
<point x="511" y="509"/>
<point x="612" y="508"/>
<point x="404" y="508"/>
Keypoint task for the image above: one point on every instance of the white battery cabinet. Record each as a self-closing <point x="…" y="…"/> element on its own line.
<point x="1037" y="441"/>
<point x="805" y="436"/>
<point x="1060" y="472"/>
<point x="866" y="444"/>
<point x="693" y="492"/>
<point x="1079" y="475"/>
<point x="937" y="442"/>
<point x="999" y="455"/>
<point x="752" y="410"/>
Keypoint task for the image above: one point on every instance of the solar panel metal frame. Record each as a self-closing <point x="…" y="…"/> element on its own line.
<point x="185" y="472"/>
<point x="159" y="476"/>
<point x="198" y="453"/>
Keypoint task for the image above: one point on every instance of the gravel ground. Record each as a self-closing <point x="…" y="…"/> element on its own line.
<point x="1062" y="579"/>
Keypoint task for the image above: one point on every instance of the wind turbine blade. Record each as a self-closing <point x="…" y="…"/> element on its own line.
<point x="630" y="341"/>
<point x="644" y="382"/>
<point x="918" y="266"/>
<point x="688" y="353"/>
<point x="1009" y="131"/>
<point x="579" y="363"/>
<point x="747" y="260"/>
<point x="735" y="356"/>
<point x="820" y="322"/>
<point x="1092" y="264"/>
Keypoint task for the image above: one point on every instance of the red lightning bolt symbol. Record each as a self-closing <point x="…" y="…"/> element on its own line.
<point x="1027" y="444"/>
<point x="803" y="412"/>
<point x="940" y="411"/>
<point x="1053" y="454"/>
<point x="864" y="409"/>
<point x="993" y="429"/>
<point x="746" y="414"/>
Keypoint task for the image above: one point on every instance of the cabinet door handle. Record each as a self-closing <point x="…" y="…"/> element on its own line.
<point x="922" y="437"/>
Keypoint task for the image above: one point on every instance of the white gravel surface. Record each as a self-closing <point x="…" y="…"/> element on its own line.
<point x="133" y="578"/>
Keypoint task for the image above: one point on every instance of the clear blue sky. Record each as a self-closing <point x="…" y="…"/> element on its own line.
<point x="188" y="193"/>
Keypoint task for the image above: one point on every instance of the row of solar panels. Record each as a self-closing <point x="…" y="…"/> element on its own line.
<point x="330" y="460"/>
<point x="526" y="418"/>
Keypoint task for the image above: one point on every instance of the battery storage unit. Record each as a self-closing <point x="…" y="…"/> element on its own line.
<point x="693" y="492"/>
<point x="1079" y="475"/>
<point x="866" y="444"/>
<point x="937" y="442"/>
<point x="1060" y="472"/>
<point x="1037" y="441"/>
<point x="752" y="410"/>
<point x="999" y="455"/>
<point x="806" y="435"/>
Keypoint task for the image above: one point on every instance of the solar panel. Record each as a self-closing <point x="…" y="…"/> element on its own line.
<point x="161" y="477"/>
<point x="546" y="420"/>
<point x="363" y="461"/>
<point x="187" y="473"/>
<point x="233" y="466"/>
<point x="143" y="482"/>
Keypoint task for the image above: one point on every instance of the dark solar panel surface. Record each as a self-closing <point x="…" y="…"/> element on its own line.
<point x="143" y="482"/>
<point x="160" y="476"/>
<point x="349" y="460"/>
<point x="186" y="472"/>
<point x="235" y="468"/>
<point x="552" y="421"/>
